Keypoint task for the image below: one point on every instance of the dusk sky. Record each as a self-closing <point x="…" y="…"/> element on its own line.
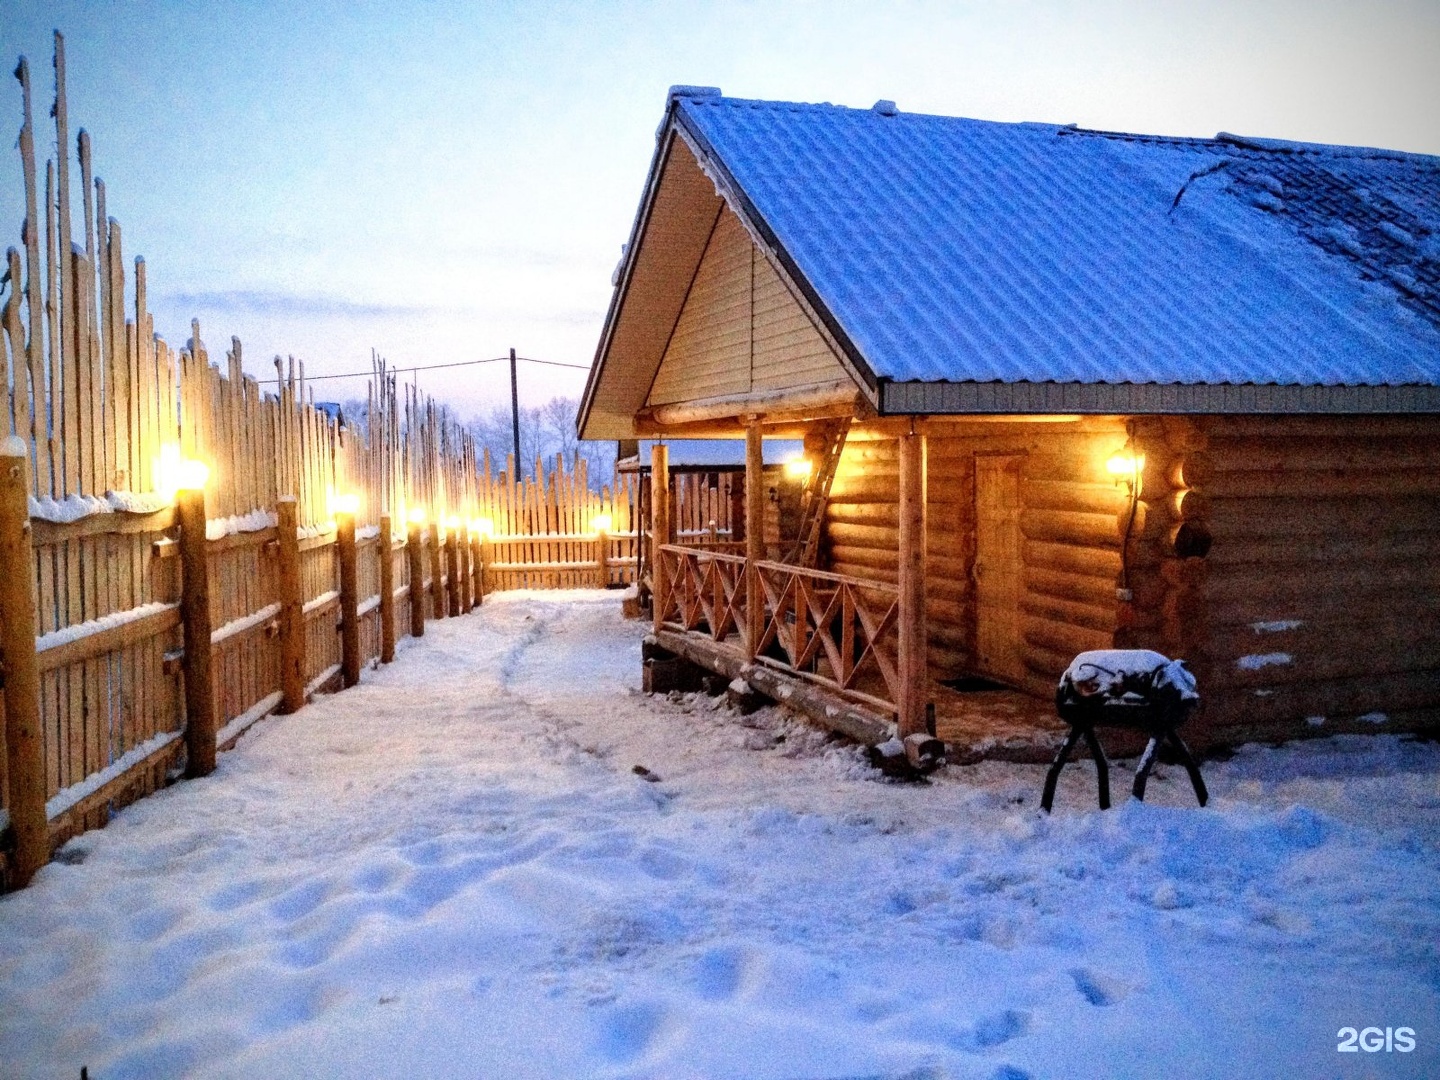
<point x="444" y="181"/>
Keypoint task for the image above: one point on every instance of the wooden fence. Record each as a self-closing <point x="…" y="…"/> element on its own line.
<point x="149" y="614"/>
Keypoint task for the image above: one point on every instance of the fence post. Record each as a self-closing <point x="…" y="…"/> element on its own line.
<point x="24" y="748"/>
<point x="437" y="569"/>
<point x="195" y="620"/>
<point x="482" y="559"/>
<point x="292" y="607"/>
<point x="659" y="528"/>
<point x="467" y="588"/>
<point x="387" y="591"/>
<point x="452" y="552"/>
<point x="349" y="599"/>
<point x="602" y="558"/>
<point x="417" y="580"/>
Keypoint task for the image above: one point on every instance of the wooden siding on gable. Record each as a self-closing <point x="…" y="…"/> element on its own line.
<point x="741" y="330"/>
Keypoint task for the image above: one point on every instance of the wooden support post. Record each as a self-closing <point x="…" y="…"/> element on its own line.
<point x="417" y="579"/>
<point x="349" y="599"/>
<point x="24" y="747"/>
<point x="452" y="551"/>
<point x="754" y="535"/>
<point x="467" y="578"/>
<point x="482" y="559"/>
<point x="437" y="570"/>
<point x="292" y="607"/>
<point x="911" y="660"/>
<point x="659" y="527"/>
<point x="387" y="591"/>
<point x="200" y="725"/>
<point x="602" y="559"/>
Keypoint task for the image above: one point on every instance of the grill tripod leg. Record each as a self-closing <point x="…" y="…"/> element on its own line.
<point x="1142" y="771"/>
<point x="1048" y="797"/>
<point x="1196" y="780"/>
<point x="1102" y="767"/>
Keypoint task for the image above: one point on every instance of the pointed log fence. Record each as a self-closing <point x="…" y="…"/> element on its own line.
<point x="173" y="569"/>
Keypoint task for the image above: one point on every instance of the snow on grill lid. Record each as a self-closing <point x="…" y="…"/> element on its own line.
<point x="954" y="249"/>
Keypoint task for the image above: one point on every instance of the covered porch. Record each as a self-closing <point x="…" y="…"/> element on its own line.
<point x="849" y="651"/>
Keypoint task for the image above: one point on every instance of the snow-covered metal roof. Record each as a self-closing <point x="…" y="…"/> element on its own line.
<point x="963" y="251"/>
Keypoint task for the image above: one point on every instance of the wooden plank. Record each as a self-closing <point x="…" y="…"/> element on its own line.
<point x="108" y="639"/>
<point x="998" y="566"/>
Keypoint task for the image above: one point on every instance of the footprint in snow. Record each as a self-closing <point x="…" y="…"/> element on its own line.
<point x="1099" y="989"/>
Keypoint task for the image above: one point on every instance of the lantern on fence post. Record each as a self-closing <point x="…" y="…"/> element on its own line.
<point x="24" y="747"/>
<point x="345" y="507"/>
<point x="200" y="724"/>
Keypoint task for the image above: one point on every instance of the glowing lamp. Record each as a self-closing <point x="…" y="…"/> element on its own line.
<point x="348" y="503"/>
<point x="482" y="526"/>
<point x="601" y="523"/>
<point x="452" y="523"/>
<point x="797" y="468"/>
<point x="193" y="474"/>
<point x="1126" y="468"/>
<point x="174" y="473"/>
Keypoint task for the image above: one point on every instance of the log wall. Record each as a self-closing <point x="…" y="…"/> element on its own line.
<point x="1321" y="587"/>
<point x="1071" y="525"/>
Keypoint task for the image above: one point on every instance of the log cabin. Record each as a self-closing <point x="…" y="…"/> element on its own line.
<point x="1059" y="389"/>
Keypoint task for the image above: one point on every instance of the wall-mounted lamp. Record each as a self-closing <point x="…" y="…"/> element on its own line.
<point x="1126" y="468"/>
<point x="797" y="468"/>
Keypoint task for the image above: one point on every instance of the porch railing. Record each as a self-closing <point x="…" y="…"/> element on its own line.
<point x="831" y="629"/>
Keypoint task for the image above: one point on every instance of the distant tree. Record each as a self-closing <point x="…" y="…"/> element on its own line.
<point x="545" y="430"/>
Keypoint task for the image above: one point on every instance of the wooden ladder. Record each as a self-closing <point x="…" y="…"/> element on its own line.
<point x="806" y="551"/>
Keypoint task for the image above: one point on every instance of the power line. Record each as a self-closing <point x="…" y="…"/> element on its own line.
<point x="433" y="367"/>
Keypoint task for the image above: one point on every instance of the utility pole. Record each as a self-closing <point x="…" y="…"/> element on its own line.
<point x="515" y="416"/>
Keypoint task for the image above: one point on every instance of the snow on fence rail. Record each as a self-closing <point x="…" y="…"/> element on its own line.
<point x="103" y="700"/>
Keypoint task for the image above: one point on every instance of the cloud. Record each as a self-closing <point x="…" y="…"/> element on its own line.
<point x="294" y="305"/>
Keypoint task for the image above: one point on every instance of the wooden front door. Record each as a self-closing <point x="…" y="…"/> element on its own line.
<point x="997" y="566"/>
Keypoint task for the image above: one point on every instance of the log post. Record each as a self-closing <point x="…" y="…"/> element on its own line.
<point x="602" y="559"/>
<point x="481" y="540"/>
<point x="754" y="536"/>
<point x="292" y="607"/>
<point x="659" y="528"/>
<point x="911" y="659"/>
<point x="467" y="579"/>
<point x="452" y="551"/>
<point x="24" y="748"/>
<point x="200" y="723"/>
<point x="349" y="599"/>
<point x="415" y="555"/>
<point x="437" y="569"/>
<point x="387" y="591"/>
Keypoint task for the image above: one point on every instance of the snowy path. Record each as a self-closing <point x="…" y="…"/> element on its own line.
<point x="452" y="871"/>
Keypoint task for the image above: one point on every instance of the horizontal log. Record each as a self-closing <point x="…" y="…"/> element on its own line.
<point x="1071" y="495"/>
<point x="1301" y="455"/>
<point x="845" y="534"/>
<point x="1339" y="697"/>
<point x="1059" y="637"/>
<point x="840" y="512"/>
<point x="1269" y="669"/>
<point x="1087" y="467"/>
<point x="1072" y="558"/>
<point x="1388" y="630"/>
<point x="1064" y="527"/>
<point x="1047" y="664"/>
<point x="954" y="637"/>
<point x="1341" y="582"/>
<point x="1100" y="617"/>
<point x="44" y="533"/>
<point x="1075" y="588"/>
<point x="313" y="543"/>
<point x="1259" y="484"/>
<point x="1399" y="549"/>
<point x="1238" y="518"/>
<point x="1320" y="427"/>
<point x="84" y="643"/>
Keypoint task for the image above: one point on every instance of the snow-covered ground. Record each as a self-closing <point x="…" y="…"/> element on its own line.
<point x="453" y="870"/>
